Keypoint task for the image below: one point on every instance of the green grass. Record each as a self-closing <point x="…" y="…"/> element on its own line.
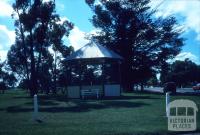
<point x="133" y="113"/>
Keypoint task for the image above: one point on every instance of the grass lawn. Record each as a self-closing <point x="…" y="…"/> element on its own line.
<point x="133" y="113"/>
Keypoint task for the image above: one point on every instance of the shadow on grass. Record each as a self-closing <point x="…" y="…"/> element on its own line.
<point x="1" y="109"/>
<point x="79" y="106"/>
<point x="50" y="103"/>
<point x="22" y="97"/>
<point x="43" y="103"/>
<point x="121" y="98"/>
<point x="17" y="109"/>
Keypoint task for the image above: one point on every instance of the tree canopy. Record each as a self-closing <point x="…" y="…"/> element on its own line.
<point x="131" y="29"/>
<point x="38" y="28"/>
<point x="184" y="73"/>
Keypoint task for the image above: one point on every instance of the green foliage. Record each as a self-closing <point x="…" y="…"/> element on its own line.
<point x="7" y="80"/>
<point x="184" y="73"/>
<point x="38" y="28"/>
<point x="153" y="81"/>
<point x="131" y="29"/>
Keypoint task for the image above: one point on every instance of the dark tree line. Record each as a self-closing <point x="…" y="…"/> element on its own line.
<point x="184" y="73"/>
<point x="145" y="42"/>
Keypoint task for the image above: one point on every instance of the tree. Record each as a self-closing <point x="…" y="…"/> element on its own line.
<point x="130" y="28"/>
<point x="153" y="81"/>
<point x="1" y="69"/>
<point x="16" y="61"/>
<point x="35" y="22"/>
<point x="56" y="35"/>
<point x="2" y="84"/>
<point x="184" y="73"/>
<point x="7" y="80"/>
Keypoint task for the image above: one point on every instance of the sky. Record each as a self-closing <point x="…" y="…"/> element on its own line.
<point x="187" y="13"/>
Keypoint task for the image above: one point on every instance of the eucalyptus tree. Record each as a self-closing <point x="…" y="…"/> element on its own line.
<point x="35" y="21"/>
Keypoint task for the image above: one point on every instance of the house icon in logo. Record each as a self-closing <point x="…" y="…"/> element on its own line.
<point x="182" y="115"/>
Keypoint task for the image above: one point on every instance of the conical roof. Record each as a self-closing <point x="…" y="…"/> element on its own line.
<point x="93" y="50"/>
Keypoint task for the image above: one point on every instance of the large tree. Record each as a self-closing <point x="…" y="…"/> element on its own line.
<point x="130" y="28"/>
<point x="35" y="24"/>
<point x="184" y="73"/>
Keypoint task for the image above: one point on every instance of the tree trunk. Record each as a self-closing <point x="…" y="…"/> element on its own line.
<point x="33" y="84"/>
<point x="38" y="65"/>
<point x="127" y="78"/>
<point x="41" y="44"/>
<point x="133" y="87"/>
<point x="128" y="87"/>
<point x="55" y="74"/>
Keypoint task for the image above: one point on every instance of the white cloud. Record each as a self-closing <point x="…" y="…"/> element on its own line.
<point x="62" y="19"/>
<point x="46" y="0"/>
<point x="182" y="56"/>
<point x="7" y="38"/>
<point x="77" y="38"/>
<point x="95" y="32"/>
<point x="3" y="55"/>
<point x="188" y="9"/>
<point x="6" y="8"/>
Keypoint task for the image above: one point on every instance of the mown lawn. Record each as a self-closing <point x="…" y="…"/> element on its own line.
<point x="133" y="113"/>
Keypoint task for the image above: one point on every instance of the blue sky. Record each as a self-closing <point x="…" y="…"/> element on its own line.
<point x="78" y="12"/>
